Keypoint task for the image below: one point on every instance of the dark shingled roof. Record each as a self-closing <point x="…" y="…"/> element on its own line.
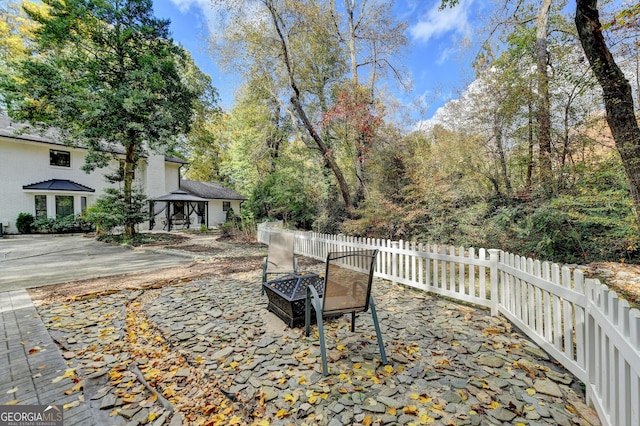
<point x="11" y="129"/>
<point x="210" y="190"/>
<point x="180" y="195"/>
<point x="58" y="185"/>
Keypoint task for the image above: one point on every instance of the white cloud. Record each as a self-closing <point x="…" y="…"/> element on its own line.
<point x="184" y="5"/>
<point x="436" y="23"/>
<point x="216" y="13"/>
<point x="445" y="54"/>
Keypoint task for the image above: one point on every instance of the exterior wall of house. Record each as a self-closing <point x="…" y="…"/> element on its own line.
<point x="24" y="162"/>
<point x="154" y="176"/>
<point x="171" y="178"/>
<point x="217" y="215"/>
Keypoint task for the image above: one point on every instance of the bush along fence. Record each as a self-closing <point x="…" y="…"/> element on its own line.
<point x="579" y="322"/>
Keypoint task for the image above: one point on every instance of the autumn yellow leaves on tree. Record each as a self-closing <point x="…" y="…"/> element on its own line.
<point x="16" y="28"/>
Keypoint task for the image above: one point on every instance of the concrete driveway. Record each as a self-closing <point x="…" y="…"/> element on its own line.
<point x="35" y="261"/>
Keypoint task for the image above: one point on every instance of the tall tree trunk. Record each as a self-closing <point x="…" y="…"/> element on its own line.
<point x="302" y="115"/>
<point x="502" y="159"/>
<point x="129" y="167"/>
<point x="618" y="97"/>
<point x="529" y="182"/>
<point x="326" y="152"/>
<point x="274" y="139"/>
<point x="565" y="146"/>
<point x="350" y="6"/>
<point x="544" y="105"/>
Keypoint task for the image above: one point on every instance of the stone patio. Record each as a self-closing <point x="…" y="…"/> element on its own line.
<point x="208" y="352"/>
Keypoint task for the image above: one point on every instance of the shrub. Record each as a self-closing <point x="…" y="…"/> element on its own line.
<point x="24" y="223"/>
<point x="111" y="210"/>
<point x="63" y="225"/>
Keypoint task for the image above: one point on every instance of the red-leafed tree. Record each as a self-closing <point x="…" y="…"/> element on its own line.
<point x="352" y="120"/>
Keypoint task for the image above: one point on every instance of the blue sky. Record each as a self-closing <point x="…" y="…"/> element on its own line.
<point x="438" y="63"/>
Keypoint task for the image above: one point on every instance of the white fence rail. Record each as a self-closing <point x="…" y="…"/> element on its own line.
<point x="578" y="321"/>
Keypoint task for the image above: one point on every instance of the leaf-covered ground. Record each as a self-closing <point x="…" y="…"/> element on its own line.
<point x="196" y="346"/>
<point x="206" y="352"/>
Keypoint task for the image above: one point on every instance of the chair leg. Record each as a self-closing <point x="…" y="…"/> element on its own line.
<point x="264" y="276"/>
<point x="353" y="322"/>
<point x="372" y="305"/>
<point x="312" y="297"/>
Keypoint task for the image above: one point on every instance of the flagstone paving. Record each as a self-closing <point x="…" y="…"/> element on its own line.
<point x="199" y="351"/>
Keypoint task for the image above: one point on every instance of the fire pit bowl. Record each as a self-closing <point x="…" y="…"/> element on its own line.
<point x="287" y="296"/>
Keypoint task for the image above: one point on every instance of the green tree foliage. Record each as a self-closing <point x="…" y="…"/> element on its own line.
<point x="113" y="210"/>
<point x="283" y="197"/>
<point x="471" y="179"/>
<point x="16" y="29"/>
<point x="297" y="58"/>
<point x="202" y="145"/>
<point x="253" y="136"/>
<point x="107" y="75"/>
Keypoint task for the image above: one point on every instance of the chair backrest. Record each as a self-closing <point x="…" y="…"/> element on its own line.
<point x="348" y="278"/>
<point x="280" y="255"/>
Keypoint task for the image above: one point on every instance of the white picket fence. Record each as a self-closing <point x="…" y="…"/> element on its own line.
<point x="579" y="322"/>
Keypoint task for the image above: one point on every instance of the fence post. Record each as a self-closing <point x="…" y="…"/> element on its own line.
<point x="493" y="268"/>
<point x="394" y="261"/>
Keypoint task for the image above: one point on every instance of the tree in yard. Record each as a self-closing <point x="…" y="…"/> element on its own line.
<point x="353" y="118"/>
<point x="202" y="146"/>
<point x="252" y="134"/>
<point x="618" y="97"/>
<point x="302" y="52"/>
<point x="543" y="110"/>
<point x="15" y="31"/>
<point x="372" y="37"/>
<point x="15" y="27"/>
<point x="106" y="74"/>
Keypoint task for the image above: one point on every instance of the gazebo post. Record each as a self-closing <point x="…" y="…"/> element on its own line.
<point x="168" y="214"/>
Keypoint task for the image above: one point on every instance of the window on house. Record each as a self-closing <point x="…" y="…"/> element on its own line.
<point x="41" y="206"/>
<point x="226" y="205"/>
<point x="83" y="204"/>
<point x="59" y="158"/>
<point x="64" y="205"/>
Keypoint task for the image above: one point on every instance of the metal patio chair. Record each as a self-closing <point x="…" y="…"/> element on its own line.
<point x="280" y="259"/>
<point x="347" y="289"/>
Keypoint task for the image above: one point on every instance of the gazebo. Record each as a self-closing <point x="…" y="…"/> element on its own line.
<point x="178" y="209"/>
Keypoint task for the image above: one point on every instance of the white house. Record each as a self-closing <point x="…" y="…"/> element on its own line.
<point x="44" y="177"/>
